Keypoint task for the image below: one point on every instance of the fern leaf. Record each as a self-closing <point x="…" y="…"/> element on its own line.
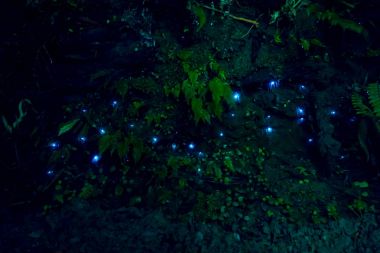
<point x="374" y="97"/>
<point x="359" y="106"/>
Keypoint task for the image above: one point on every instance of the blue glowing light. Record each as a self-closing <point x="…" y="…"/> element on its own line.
<point x="300" y="120"/>
<point x="342" y="157"/>
<point x="82" y="139"/>
<point x="95" y="159"/>
<point x="268" y="130"/>
<point x="236" y="96"/>
<point x="221" y="134"/>
<point x="54" y="145"/>
<point x="353" y="119"/>
<point x="154" y="139"/>
<point x="272" y="84"/>
<point x="332" y="113"/>
<point x="302" y="88"/>
<point x="191" y="145"/>
<point x="102" y="131"/>
<point x="201" y="154"/>
<point x="114" y="103"/>
<point x="199" y="171"/>
<point x="50" y="172"/>
<point x="131" y="125"/>
<point x="268" y="117"/>
<point x="84" y="110"/>
<point x="233" y="115"/>
<point x="300" y="111"/>
<point x="310" y="140"/>
<point x="174" y="146"/>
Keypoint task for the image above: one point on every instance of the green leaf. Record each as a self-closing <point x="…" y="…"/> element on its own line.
<point x="200" y="13"/>
<point x="122" y="87"/>
<point x="188" y="90"/>
<point x="173" y="162"/>
<point x="217" y="89"/>
<point x="199" y="112"/>
<point x="138" y="149"/>
<point x="123" y="148"/>
<point x="105" y="142"/>
<point x="361" y="184"/>
<point x="65" y="127"/>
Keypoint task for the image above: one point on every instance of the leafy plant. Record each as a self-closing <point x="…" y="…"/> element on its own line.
<point x="335" y="19"/>
<point x="122" y="144"/>
<point x="200" y="13"/>
<point x="205" y="95"/>
<point x="10" y="127"/>
<point x="372" y="108"/>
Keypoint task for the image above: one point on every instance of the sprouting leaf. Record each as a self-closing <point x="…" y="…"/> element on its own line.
<point x="67" y="126"/>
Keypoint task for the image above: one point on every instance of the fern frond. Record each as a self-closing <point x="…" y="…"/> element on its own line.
<point x="374" y="97"/>
<point x="359" y="106"/>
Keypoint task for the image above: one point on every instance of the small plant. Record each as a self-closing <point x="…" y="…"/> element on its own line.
<point x="11" y="127"/>
<point x="332" y="210"/>
<point x="372" y="107"/>
<point x="205" y="88"/>
<point x="335" y="19"/>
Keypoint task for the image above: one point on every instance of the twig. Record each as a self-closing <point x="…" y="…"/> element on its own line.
<point x="254" y="23"/>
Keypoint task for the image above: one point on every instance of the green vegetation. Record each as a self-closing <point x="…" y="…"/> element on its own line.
<point x="233" y="179"/>
<point x="373" y="109"/>
<point x="204" y="78"/>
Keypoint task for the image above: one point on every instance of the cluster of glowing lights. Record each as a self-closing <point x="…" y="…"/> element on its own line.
<point x="236" y="96"/>
<point x="300" y="112"/>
